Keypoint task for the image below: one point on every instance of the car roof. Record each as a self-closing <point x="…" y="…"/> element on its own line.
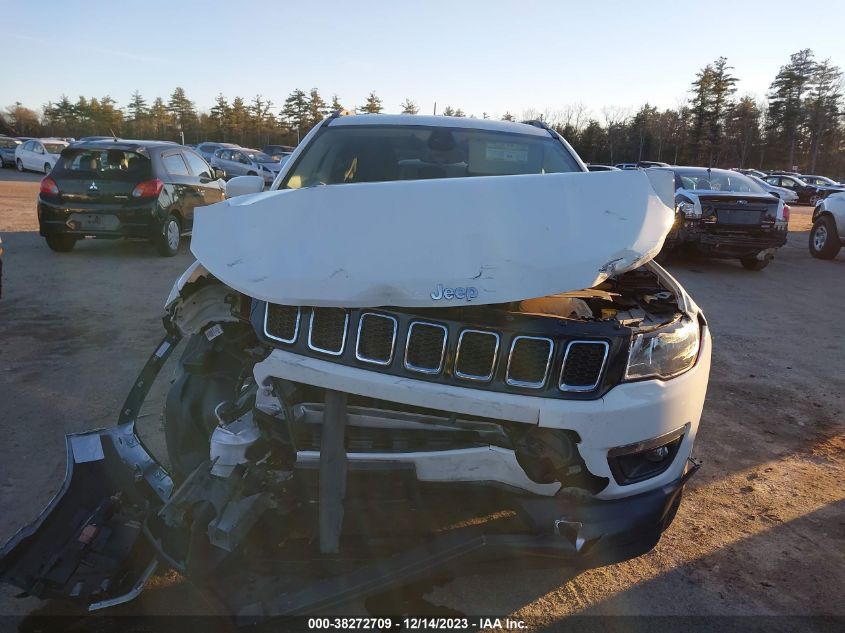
<point x="126" y="144"/>
<point x="437" y="121"/>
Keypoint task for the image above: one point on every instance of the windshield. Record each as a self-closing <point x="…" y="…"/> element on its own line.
<point x="260" y="157"/>
<point x="377" y="153"/>
<point x="54" y="148"/>
<point x="715" y="180"/>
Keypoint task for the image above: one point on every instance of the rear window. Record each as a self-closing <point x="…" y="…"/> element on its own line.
<point x="382" y="153"/>
<point x="8" y="143"/>
<point x="103" y="164"/>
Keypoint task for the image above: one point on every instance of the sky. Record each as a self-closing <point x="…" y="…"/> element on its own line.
<point x="481" y="57"/>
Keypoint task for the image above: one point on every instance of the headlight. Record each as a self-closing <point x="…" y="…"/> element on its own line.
<point x="664" y="353"/>
<point x="688" y="210"/>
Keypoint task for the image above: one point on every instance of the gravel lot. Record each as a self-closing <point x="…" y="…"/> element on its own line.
<point x="762" y="527"/>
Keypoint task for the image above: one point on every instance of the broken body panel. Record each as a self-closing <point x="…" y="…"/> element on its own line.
<point x="419" y="470"/>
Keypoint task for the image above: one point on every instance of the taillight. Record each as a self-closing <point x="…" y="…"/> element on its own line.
<point x="49" y="186"/>
<point x="148" y="189"/>
<point x="786" y="212"/>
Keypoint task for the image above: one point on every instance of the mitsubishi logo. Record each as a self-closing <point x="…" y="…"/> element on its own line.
<point x="93" y="186"/>
<point x="742" y="201"/>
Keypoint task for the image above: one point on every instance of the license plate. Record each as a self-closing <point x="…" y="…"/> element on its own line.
<point x="93" y="222"/>
<point x="739" y="216"/>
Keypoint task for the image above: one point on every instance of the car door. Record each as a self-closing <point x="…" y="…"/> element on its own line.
<point x="224" y="160"/>
<point x="26" y="154"/>
<point x="179" y="177"/>
<point x="204" y="188"/>
<point x="238" y="166"/>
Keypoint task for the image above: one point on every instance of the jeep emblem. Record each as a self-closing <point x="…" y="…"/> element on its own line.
<point x="458" y="292"/>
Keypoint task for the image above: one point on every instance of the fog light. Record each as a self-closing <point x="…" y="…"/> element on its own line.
<point x="644" y="460"/>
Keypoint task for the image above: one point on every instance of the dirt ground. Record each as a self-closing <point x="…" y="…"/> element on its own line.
<point x="762" y="527"/>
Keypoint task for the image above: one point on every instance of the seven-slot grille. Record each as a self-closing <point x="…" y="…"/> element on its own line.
<point x="527" y="363"/>
<point x="583" y="362"/>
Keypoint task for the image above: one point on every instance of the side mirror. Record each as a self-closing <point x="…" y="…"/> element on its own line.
<point x="244" y="185"/>
<point x="219" y="174"/>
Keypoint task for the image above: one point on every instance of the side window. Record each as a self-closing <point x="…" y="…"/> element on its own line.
<point x="38" y="147"/>
<point x="772" y="180"/>
<point x="29" y="146"/>
<point x="226" y="154"/>
<point x="175" y="165"/>
<point x="237" y="157"/>
<point x="198" y="165"/>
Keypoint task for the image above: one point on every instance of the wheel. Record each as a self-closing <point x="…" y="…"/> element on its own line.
<point x="752" y="263"/>
<point x="19" y="164"/>
<point x="61" y="243"/>
<point x="171" y="234"/>
<point x="824" y="238"/>
<point x="47" y="168"/>
<point x="251" y="173"/>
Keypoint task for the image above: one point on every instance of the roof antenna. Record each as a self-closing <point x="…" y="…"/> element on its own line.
<point x="113" y="134"/>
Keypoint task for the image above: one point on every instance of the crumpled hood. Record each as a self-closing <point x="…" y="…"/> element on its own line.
<point x="435" y="243"/>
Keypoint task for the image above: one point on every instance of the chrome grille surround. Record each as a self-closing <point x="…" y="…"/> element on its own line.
<point x="314" y="347"/>
<point x="295" y="328"/>
<point x="579" y="388"/>
<point x="522" y="383"/>
<point x="425" y="370"/>
<point x="480" y="378"/>
<point x="367" y="359"/>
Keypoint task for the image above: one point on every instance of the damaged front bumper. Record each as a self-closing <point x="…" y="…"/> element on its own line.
<point x="118" y="515"/>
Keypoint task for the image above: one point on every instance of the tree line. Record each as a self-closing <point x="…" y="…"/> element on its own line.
<point x="800" y="122"/>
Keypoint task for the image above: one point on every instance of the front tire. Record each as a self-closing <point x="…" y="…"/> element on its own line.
<point x="61" y="243"/>
<point x="19" y="164"/>
<point x="824" y="238"/>
<point x="168" y="241"/>
<point x="752" y="263"/>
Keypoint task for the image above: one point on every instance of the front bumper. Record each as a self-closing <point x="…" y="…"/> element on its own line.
<point x="140" y="221"/>
<point x="93" y="544"/>
<point x="629" y="413"/>
<point x="118" y="515"/>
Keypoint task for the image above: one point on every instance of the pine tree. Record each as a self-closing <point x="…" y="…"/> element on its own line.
<point x="317" y="108"/>
<point x="702" y="89"/>
<point x="296" y="110"/>
<point x="336" y="104"/>
<point x="787" y="115"/>
<point x="507" y="116"/>
<point x="159" y="117"/>
<point x="409" y="107"/>
<point x="448" y="111"/>
<point x="219" y="115"/>
<point x="724" y="85"/>
<point x="137" y="107"/>
<point x="372" y="106"/>
<point x="181" y="110"/>
<point x="823" y="106"/>
<point x="459" y="113"/>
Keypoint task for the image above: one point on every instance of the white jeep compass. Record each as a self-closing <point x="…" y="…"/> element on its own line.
<point x="436" y="342"/>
